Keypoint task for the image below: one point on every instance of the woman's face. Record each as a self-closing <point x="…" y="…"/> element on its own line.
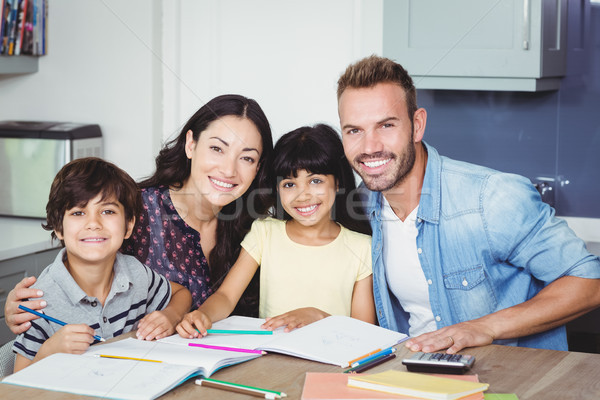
<point x="224" y="159"/>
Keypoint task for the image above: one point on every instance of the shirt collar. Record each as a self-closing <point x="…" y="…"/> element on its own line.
<point x="58" y="271"/>
<point x="429" y="205"/>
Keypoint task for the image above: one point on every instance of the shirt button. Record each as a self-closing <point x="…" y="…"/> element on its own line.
<point x="438" y="318"/>
<point x="465" y="283"/>
<point x="419" y="220"/>
<point x="94" y="303"/>
<point x="430" y="281"/>
<point x="380" y="313"/>
<point x="104" y="319"/>
<point x="419" y="250"/>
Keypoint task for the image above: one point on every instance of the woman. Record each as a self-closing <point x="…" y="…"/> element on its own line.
<point x="208" y="187"/>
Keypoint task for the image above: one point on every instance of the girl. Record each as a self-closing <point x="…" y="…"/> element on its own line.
<point x="312" y="264"/>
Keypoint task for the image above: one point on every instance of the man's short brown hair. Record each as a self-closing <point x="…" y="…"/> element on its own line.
<point x="372" y="70"/>
<point x="83" y="179"/>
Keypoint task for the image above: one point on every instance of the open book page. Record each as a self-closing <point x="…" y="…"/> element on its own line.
<point x="232" y="323"/>
<point x="101" y="377"/>
<point x="206" y="360"/>
<point x="332" y="340"/>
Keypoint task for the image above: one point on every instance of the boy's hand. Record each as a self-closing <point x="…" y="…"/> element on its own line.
<point x="71" y="338"/>
<point x="194" y="324"/>
<point x="295" y="319"/>
<point x="157" y="325"/>
<point x="17" y="319"/>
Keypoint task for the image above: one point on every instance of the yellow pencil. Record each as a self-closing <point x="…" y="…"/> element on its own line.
<point x="128" y="358"/>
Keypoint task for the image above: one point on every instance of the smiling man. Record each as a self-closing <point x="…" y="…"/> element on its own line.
<point x="462" y="255"/>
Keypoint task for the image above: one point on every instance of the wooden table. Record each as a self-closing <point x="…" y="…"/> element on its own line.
<point x="529" y="373"/>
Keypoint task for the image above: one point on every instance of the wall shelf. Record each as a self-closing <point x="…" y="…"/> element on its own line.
<point x="18" y="64"/>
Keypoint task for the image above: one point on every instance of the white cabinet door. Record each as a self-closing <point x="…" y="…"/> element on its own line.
<point x="478" y="44"/>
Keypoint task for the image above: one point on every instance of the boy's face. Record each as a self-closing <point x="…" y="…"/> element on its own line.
<point x="93" y="234"/>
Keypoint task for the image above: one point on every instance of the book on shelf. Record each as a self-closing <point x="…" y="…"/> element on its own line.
<point x="165" y="367"/>
<point x="334" y="386"/>
<point x="23" y="27"/>
<point x="418" y="385"/>
<point x="332" y="340"/>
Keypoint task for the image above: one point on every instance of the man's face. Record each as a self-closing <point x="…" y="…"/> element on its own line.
<point x="377" y="134"/>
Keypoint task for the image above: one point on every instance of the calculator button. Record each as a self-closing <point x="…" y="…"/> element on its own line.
<point x="455" y="358"/>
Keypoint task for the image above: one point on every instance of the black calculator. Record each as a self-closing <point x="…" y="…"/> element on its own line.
<point x="440" y="363"/>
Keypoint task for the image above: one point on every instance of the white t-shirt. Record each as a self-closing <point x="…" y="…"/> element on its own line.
<point x="403" y="271"/>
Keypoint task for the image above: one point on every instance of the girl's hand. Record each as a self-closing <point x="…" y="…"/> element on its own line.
<point x="71" y="338"/>
<point x="295" y="319"/>
<point x="194" y="324"/>
<point x="157" y="325"/>
<point x="17" y="319"/>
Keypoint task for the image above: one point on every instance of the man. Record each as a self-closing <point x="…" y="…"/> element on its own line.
<point x="462" y="255"/>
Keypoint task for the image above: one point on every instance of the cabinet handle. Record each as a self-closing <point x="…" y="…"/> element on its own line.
<point x="526" y="24"/>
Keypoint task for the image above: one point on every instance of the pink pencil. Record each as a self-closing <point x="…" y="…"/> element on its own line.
<point x="208" y="346"/>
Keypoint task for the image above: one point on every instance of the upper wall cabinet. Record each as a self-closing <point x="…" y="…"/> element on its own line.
<point x="517" y="45"/>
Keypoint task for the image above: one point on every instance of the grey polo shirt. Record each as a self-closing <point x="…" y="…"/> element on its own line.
<point x="136" y="290"/>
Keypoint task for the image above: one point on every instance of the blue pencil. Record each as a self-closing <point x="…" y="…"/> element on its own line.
<point x="383" y="352"/>
<point x="56" y="321"/>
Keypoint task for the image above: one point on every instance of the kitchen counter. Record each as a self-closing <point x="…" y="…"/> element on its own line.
<point x="22" y="236"/>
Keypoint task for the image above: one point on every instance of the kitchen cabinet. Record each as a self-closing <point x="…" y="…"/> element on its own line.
<point x="516" y="45"/>
<point x="12" y="271"/>
<point x="18" y="64"/>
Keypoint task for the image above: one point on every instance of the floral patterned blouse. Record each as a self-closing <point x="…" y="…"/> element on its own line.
<point x="164" y="242"/>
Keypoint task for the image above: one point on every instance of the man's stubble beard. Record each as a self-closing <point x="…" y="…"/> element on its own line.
<point x="404" y="164"/>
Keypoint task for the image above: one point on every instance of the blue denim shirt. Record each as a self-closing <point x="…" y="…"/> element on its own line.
<point x="487" y="242"/>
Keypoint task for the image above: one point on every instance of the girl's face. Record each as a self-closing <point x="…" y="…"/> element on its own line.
<point x="224" y="159"/>
<point x="308" y="198"/>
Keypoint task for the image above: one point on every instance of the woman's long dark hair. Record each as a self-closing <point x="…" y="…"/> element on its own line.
<point x="319" y="150"/>
<point x="235" y="219"/>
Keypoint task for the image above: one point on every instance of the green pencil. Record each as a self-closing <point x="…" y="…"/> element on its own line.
<point x="236" y="387"/>
<point x="238" y="332"/>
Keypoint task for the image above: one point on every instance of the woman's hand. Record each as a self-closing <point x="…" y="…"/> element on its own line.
<point x="194" y="324"/>
<point x="295" y="319"/>
<point x="18" y="321"/>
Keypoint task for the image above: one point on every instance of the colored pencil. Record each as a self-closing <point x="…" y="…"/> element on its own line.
<point x="237" y="332"/>
<point x="373" y="363"/>
<point x="237" y="388"/>
<point x="56" y="321"/>
<point x="212" y="347"/>
<point x="384" y="352"/>
<point x="365" y="356"/>
<point x="127" y="358"/>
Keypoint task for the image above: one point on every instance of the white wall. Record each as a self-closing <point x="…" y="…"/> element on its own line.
<point x="140" y="68"/>
<point x="100" y="68"/>
<point x="285" y="54"/>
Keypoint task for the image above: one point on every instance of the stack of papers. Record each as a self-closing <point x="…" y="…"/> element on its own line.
<point x="417" y="385"/>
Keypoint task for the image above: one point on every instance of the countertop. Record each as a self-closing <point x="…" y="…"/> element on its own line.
<point x="22" y="236"/>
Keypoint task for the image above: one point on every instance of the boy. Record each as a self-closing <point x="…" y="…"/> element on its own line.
<point x="91" y="209"/>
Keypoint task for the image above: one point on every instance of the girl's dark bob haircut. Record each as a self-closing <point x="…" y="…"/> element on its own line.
<point x="318" y="149"/>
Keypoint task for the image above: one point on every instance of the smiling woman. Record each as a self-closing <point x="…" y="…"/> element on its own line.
<point x="202" y="198"/>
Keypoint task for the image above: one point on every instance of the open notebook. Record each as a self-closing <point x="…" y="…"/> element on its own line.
<point x="91" y="375"/>
<point x="332" y="340"/>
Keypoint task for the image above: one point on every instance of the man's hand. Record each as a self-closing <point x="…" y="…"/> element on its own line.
<point x="17" y="319"/>
<point x="453" y="338"/>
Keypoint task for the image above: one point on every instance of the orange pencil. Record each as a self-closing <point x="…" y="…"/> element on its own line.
<point x="365" y="356"/>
